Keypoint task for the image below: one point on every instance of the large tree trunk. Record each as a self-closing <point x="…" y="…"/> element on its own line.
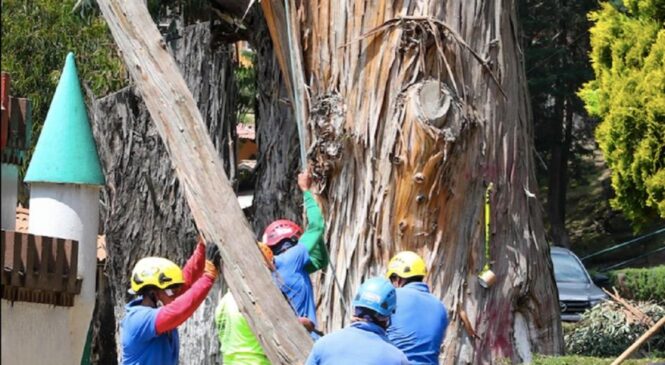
<point x="145" y="212"/>
<point x="409" y="119"/>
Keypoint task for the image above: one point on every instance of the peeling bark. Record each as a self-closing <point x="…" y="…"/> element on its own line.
<point x="412" y="107"/>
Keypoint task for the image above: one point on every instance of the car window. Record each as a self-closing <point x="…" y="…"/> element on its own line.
<point x="568" y="270"/>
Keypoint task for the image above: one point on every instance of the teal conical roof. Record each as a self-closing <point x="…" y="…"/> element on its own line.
<point x="65" y="151"/>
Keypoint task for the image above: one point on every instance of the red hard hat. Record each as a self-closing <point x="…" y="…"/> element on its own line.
<point x="281" y="230"/>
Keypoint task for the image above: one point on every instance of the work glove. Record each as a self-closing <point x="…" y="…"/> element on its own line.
<point x="210" y="270"/>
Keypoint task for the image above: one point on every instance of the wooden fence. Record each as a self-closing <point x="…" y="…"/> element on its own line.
<point x="39" y="269"/>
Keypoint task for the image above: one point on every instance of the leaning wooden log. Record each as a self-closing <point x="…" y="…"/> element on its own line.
<point x="639" y="341"/>
<point x="207" y="189"/>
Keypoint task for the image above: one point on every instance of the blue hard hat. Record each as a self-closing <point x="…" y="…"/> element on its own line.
<point x="377" y="294"/>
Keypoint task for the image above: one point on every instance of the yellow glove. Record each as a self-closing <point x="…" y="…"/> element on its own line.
<point x="210" y="270"/>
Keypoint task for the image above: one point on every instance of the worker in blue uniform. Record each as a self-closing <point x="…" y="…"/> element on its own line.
<point x="419" y="323"/>
<point x="364" y="342"/>
<point x="298" y="254"/>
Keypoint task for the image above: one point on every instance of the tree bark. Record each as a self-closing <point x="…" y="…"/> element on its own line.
<point x="144" y="211"/>
<point x="208" y="192"/>
<point x="276" y="194"/>
<point x="411" y="109"/>
<point x="104" y="349"/>
<point x="558" y="172"/>
<point x="561" y="140"/>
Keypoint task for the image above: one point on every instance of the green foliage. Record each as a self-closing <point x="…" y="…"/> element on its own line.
<point x="605" y="331"/>
<point x="646" y="284"/>
<point x="585" y="360"/>
<point x="628" y="95"/>
<point x="568" y="327"/>
<point x="36" y="37"/>
<point x="245" y="77"/>
<point x="556" y="42"/>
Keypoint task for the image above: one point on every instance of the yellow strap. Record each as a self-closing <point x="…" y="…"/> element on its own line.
<point x="487" y="226"/>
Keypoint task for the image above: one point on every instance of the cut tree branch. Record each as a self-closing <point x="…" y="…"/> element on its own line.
<point x="207" y="190"/>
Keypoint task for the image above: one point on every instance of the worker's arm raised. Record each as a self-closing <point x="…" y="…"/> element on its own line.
<point x="194" y="267"/>
<point x="312" y="239"/>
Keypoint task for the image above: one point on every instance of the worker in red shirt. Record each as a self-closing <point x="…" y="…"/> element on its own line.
<point x="166" y="296"/>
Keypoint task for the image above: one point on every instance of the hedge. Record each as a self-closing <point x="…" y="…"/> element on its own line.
<point x="646" y="284"/>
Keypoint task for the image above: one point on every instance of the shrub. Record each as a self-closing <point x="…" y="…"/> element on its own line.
<point x="605" y="330"/>
<point x="646" y="284"/>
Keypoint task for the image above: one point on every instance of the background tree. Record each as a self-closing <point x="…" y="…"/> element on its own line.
<point x="36" y="37"/>
<point x="410" y="109"/>
<point x="245" y="76"/>
<point x="628" y="95"/>
<point x="556" y="42"/>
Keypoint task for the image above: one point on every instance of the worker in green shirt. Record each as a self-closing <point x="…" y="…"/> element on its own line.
<point x="239" y="346"/>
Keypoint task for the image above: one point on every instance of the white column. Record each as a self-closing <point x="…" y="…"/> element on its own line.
<point x="65" y="211"/>
<point x="72" y="212"/>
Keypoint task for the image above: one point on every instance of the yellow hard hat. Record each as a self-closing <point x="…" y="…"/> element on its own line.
<point x="406" y="264"/>
<point x="155" y="271"/>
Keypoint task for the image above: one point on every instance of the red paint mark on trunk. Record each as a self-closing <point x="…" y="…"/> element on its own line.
<point x="498" y="324"/>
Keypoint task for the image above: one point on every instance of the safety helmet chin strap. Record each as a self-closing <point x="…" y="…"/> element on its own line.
<point x="153" y="297"/>
<point x="284" y="246"/>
